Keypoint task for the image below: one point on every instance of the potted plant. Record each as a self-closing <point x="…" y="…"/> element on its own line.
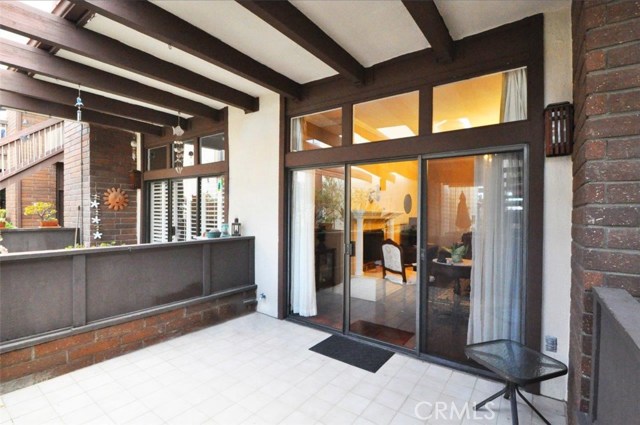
<point x="3" y="218"/>
<point x="45" y="211"/>
<point x="457" y="252"/>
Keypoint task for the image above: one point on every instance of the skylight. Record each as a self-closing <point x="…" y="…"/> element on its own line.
<point x="396" y="132"/>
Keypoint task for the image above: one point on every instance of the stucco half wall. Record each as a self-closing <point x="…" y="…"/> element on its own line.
<point x="254" y="143"/>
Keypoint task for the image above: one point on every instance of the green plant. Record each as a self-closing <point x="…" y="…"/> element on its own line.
<point x="457" y="251"/>
<point x="330" y="200"/>
<point x="76" y="246"/>
<point x="44" y="210"/>
<point x="3" y="215"/>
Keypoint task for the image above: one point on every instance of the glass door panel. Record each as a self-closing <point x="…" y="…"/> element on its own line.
<point x="474" y="252"/>
<point x="317" y="246"/>
<point x="384" y="210"/>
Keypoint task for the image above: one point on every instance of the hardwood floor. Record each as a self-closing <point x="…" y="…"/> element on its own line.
<point x="392" y="316"/>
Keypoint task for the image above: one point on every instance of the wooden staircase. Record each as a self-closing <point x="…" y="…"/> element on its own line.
<point x="30" y="148"/>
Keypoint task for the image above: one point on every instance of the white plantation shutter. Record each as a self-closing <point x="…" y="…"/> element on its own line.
<point x="211" y="203"/>
<point x="159" y="211"/>
<point x="185" y="213"/>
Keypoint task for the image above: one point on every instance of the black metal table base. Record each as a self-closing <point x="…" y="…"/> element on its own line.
<point x="510" y="391"/>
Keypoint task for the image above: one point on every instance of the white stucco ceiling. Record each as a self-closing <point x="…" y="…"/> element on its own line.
<point x="236" y="26"/>
<point x="371" y="31"/>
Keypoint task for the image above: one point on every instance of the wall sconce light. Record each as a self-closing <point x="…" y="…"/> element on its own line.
<point x="558" y="129"/>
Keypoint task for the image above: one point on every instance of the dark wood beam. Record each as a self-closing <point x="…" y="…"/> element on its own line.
<point x="22" y="84"/>
<point x="37" y="61"/>
<point x="149" y="19"/>
<point x="58" y="32"/>
<point x="30" y="104"/>
<point x="284" y="17"/>
<point x="428" y="18"/>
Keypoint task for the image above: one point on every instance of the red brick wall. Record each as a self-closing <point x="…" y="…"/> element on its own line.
<point x="76" y="183"/>
<point x="606" y="168"/>
<point x="37" y="187"/>
<point x="28" y="366"/>
<point x="110" y="165"/>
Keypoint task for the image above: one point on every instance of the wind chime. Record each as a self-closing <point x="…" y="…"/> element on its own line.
<point x="79" y="105"/>
<point x="178" y="147"/>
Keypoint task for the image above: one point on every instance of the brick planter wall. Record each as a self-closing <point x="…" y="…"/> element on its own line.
<point x="28" y="366"/>
<point x="606" y="168"/>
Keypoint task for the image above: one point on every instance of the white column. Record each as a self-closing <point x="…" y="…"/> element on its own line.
<point x="359" y="215"/>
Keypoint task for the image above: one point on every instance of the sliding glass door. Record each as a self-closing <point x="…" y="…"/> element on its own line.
<point x="316" y="261"/>
<point x="474" y="248"/>
<point x="451" y="248"/>
<point x="384" y="213"/>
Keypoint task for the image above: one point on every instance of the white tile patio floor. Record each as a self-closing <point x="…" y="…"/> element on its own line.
<point x="259" y="370"/>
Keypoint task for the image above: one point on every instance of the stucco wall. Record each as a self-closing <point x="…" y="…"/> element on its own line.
<point x="556" y="276"/>
<point x="253" y="189"/>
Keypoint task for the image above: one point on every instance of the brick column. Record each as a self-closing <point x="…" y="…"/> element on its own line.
<point x="606" y="170"/>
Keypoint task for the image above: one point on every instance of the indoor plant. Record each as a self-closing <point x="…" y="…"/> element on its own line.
<point x="457" y="252"/>
<point x="45" y="211"/>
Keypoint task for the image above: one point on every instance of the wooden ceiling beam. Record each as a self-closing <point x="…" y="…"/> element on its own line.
<point x="284" y="17"/>
<point x="58" y="32"/>
<point x="428" y="18"/>
<point x="151" y="20"/>
<point x="22" y="84"/>
<point x="38" y="61"/>
<point x="24" y="103"/>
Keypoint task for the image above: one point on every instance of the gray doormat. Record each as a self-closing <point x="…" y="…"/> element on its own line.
<point x="353" y="352"/>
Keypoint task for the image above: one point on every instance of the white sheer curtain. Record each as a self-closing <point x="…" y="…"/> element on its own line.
<point x="297" y="135"/>
<point x="497" y="288"/>
<point x="303" y="281"/>
<point x="514" y="96"/>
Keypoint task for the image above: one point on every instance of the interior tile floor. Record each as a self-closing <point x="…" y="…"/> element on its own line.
<point x="259" y="370"/>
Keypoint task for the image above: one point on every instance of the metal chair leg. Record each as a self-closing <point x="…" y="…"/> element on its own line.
<point x="514" y="404"/>
<point x="533" y="408"/>
<point x="493" y="397"/>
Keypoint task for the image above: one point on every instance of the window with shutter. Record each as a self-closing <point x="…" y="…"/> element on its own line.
<point x="184" y="218"/>
<point x="159" y="211"/>
<point x="211" y="203"/>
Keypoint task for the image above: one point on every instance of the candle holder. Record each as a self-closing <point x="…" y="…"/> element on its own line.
<point x="235" y="227"/>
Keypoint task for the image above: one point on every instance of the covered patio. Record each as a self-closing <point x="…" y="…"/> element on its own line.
<point x="259" y="370"/>
<point x="226" y="174"/>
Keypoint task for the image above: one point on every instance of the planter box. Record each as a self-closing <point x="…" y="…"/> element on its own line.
<point x="43" y="239"/>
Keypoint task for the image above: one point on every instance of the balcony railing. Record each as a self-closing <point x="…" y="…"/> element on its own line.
<point x="31" y="146"/>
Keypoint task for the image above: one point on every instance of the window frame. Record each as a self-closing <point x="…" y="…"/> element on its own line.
<point x="170" y="204"/>
<point x="199" y="127"/>
<point x="511" y="46"/>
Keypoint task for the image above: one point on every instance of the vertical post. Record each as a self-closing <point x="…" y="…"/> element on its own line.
<point x="79" y="291"/>
<point x="206" y="269"/>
